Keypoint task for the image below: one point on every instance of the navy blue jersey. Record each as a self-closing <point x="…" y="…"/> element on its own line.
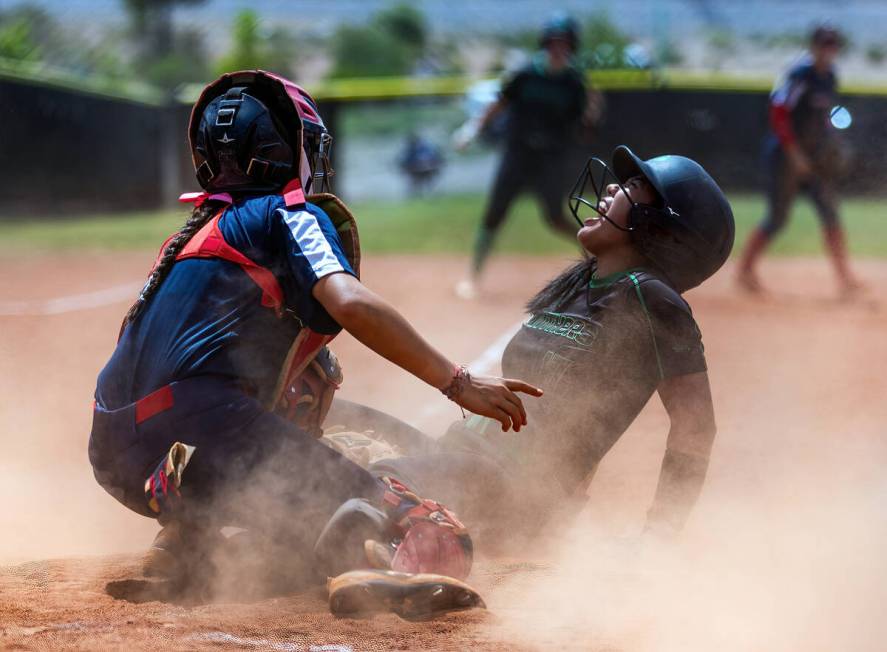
<point x="801" y="105"/>
<point x="207" y="317"/>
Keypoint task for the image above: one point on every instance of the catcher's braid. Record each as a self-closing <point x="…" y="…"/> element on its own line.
<point x="199" y="216"/>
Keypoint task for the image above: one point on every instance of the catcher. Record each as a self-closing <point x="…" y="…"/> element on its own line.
<point x="601" y="338"/>
<point x="208" y="412"/>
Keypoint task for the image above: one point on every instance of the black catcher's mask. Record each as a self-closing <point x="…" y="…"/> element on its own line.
<point x="242" y="145"/>
<point x="254" y="131"/>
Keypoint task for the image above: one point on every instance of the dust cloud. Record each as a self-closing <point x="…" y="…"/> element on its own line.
<point x="796" y="572"/>
<point x="785" y="549"/>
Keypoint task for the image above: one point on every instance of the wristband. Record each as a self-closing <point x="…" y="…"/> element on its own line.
<point x="461" y="377"/>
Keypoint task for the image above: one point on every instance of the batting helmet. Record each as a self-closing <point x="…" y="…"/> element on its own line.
<point x="560" y="26"/>
<point x="689" y="234"/>
<point x="253" y="131"/>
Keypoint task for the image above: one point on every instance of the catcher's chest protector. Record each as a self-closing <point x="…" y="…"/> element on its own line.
<point x="306" y="382"/>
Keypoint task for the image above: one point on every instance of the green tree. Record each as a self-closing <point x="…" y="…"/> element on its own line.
<point x="165" y="57"/>
<point x="152" y="23"/>
<point x="603" y="43"/>
<point x="281" y="52"/>
<point x="246" y="43"/>
<point x="721" y="45"/>
<point x="30" y="33"/>
<point x="24" y="33"/>
<point x="393" y="42"/>
<point x="368" y="52"/>
<point x="875" y="53"/>
<point x="185" y="62"/>
<point x="406" y="24"/>
<point x="668" y="53"/>
<point x="252" y="47"/>
<point x="17" y="41"/>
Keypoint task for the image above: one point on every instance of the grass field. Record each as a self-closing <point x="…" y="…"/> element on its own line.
<point x="439" y="224"/>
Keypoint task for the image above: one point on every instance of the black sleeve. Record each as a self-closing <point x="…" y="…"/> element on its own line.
<point x="580" y="96"/>
<point x="678" y="342"/>
<point x="511" y="86"/>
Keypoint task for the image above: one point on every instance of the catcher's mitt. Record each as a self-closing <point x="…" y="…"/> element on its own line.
<point x="408" y="534"/>
<point x="362" y="448"/>
<point x="308" y="396"/>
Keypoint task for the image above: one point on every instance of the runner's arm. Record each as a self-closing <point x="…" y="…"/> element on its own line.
<point x="687" y="399"/>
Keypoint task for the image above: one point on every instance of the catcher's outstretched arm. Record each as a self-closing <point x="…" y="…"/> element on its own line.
<point x="376" y="324"/>
<point x="687" y="399"/>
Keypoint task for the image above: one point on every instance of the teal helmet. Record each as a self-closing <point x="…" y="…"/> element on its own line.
<point x="560" y="26"/>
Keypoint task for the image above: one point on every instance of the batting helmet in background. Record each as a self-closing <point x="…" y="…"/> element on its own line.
<point x="560" y="26"/>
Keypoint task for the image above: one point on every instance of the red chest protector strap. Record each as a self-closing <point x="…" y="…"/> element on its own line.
<point x="208" y="242"/>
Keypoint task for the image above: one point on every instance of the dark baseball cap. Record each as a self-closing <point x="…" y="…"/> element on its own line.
<point x="826" y="35"/>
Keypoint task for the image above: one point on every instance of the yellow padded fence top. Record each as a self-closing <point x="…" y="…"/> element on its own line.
<point x="391" y="88"/>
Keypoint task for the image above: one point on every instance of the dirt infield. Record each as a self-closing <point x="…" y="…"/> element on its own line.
<point x="784" y="551"/>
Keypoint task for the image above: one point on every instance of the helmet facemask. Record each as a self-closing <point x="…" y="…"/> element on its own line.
<point x="593" y="181"/>
<point x="318" y="146"/>
<point x="687" y="235"/>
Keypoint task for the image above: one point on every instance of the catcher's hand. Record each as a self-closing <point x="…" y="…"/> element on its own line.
<point x="495" y="398"/>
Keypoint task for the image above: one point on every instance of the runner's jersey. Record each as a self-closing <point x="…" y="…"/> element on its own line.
<point x="544" y="108"/>
<point x="599" y="360"/>
<point x="207" y="316"/>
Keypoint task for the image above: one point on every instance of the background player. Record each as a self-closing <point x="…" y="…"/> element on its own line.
<point x="601" y="338"/>
<point x="802" y="152"/>
<point x="546" y="100"/>
<point x="207" y="413"/>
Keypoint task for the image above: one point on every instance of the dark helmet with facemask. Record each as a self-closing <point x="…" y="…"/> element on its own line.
<point x="253" y="131"/>
<point x="688" y="235"/>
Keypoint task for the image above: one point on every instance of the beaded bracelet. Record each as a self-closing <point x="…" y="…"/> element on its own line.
<point x="461" y="377"/>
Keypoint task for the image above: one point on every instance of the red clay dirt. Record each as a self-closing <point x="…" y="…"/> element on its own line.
<point x="784" y="550"/>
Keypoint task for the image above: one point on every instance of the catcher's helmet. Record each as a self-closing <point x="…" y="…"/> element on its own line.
<point x="689" y="234"/>
<point x="560" y="26"/>
<point x="252" y="131"/>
